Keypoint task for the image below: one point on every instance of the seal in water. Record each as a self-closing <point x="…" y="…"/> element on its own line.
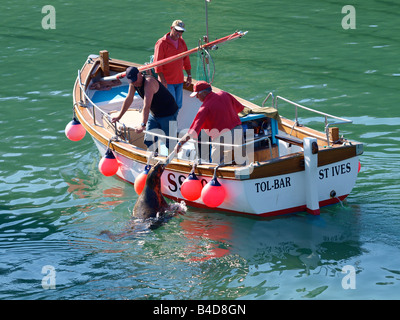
<point x="151" y="203"/>
<point x="150" y="207"/>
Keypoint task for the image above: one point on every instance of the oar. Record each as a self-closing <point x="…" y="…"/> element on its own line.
<point x="170" y="157"/>
<point x="235" y="35"/>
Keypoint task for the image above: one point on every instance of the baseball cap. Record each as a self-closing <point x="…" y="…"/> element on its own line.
<point x="131" y="74"/>
<point x="178" y="25"/>
<point x="199" y="86"/>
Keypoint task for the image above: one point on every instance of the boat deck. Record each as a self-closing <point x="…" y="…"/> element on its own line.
<point x="110" y="102"/>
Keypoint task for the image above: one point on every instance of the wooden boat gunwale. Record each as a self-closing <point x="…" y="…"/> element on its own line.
<point x="328" y="153"/>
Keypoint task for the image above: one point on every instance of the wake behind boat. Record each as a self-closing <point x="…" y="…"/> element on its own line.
<point x="293" y="168"/>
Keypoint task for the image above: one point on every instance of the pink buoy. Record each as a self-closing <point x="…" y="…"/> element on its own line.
<point x="191" y="188"/>
<point x="359" y="166"/>
<point x="74" y="130"/>
<point x="108" y="165"/>
<point x="140" y="181"/>
<point x="213" y="194"/>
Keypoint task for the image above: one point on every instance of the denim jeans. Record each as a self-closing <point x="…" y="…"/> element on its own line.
<point x="177" y="92"/>
<point x="160" y="125"/>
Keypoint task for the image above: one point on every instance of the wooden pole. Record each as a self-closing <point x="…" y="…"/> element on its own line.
<point x="232" y="36"/>
<point x="104" y="63"/>
<point x="334" y="133"/>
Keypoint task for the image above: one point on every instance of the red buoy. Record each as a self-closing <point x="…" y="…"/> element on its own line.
<point x="213" y="194"/>
<point x="140" y="181"/>
<point x="74" y="130"/>
<point x="108" y="165"/>
<point x="191" y="187"/>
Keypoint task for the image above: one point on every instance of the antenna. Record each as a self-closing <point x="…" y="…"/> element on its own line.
<point x="206" y="38"/>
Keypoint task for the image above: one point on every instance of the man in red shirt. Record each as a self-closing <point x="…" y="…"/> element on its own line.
<point x="218" y="116"/>
<point x="171" y="74"/>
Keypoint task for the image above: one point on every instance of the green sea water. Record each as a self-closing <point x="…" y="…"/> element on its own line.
<point x="54" y="202"/>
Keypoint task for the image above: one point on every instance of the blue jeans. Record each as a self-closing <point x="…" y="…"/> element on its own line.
<point x="177" y="92"/>
<point x="160" y="125"/>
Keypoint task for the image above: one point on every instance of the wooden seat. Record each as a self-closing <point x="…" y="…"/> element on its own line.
<point x="290" y="139"/>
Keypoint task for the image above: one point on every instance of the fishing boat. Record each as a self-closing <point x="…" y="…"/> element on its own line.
<point x="293" y="168"/>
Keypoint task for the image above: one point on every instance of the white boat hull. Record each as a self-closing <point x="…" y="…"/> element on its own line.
<point x="267" y="196"/>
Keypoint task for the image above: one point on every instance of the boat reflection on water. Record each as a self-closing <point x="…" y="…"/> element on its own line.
<point x="207" y="239"/>
<point x="295" y="242"/>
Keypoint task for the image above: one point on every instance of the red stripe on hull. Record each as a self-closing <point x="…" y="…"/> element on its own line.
<point x="265" y="214"/>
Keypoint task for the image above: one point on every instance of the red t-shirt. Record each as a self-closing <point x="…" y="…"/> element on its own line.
<point x="173" y="71"/>
<point x="219" y="111"/>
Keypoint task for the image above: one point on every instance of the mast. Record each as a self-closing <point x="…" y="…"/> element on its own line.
<point x="206" y="38"/>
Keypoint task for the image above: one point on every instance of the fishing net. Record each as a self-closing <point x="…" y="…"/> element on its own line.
<point x="151" y="71"/>
<point x="205" y="68"/>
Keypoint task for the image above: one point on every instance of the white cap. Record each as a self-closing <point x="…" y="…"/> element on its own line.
<point x="178" y="25"/>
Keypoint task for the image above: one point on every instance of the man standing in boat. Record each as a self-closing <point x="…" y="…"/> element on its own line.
<point x="159" y="106"/>
<point x="171" y="74"/>
<point x="218" y="116"/>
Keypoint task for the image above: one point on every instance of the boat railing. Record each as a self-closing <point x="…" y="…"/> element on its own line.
<point x="86" y="101"/>
<point x="229" y="145"/>
<point x="338" y="120"/>
<point x="266" y="99"/>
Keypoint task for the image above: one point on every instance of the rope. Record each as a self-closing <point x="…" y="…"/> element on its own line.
<point x="206" y="142"/>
